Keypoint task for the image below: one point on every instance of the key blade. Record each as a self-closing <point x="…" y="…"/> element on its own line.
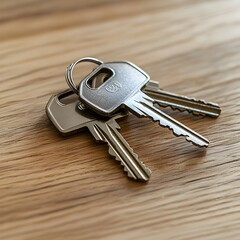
<point x="181" y="103"/>
<point x="142" y="105"/>
<point x="120" y="149"/>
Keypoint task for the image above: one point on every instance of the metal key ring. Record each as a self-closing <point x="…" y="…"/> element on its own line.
<point x="69" y="72"/>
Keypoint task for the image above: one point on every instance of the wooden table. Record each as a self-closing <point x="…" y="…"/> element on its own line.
<point x="53" y="187"/>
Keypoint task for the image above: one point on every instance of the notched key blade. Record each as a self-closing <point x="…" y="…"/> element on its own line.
<point x="143" y="106"/>
<point x="181" y="103"/>
<point x="120" y="149"/>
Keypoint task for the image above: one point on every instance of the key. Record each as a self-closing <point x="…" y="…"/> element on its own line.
<point x="121" y="88"/>
<point x="70" y="118"/>
<point x="181" y="103"/>
<point x="175" y="101"/>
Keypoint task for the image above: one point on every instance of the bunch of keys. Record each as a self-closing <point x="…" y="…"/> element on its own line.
<point x="110" y="92"/>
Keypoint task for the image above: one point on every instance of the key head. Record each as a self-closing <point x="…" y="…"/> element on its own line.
<point x="123" y="79"/>
<point x="71" y="117"/>
<point x="68" y="118"/>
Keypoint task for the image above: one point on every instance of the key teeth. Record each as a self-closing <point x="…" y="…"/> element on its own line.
<point x="202" y="101"/>
<point x="186" y="110"/>
<point x="179" y="109"/>
<point x="147" y="170"/>
<point x="187" y="137"/>
<point x="108" y="134"/>
<point x="148" y="102"/>
<point x="113" y="154"/>
<point x="130" y="175"/>
<point x="153" y="88"/>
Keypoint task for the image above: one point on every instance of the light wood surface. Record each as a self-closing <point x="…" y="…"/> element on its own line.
<point x="53" y="187"/>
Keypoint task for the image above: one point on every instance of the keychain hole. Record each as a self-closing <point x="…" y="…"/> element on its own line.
<point x="67" y="97"/>
<point x="99" y="78"/>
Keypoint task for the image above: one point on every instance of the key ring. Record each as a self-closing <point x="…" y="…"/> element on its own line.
<point x="69" y="72"/>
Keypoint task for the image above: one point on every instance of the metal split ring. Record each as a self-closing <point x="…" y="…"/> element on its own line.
<point x="69" y="72"/>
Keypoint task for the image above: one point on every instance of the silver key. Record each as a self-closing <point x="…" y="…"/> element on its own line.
<point x="68" y="119"/>
<point x="181" y="103"/>
<point x="122" y="89"/>
<point x="167" y="99"/>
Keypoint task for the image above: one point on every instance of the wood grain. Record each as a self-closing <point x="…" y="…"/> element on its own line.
<point x="53" y="187"/>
